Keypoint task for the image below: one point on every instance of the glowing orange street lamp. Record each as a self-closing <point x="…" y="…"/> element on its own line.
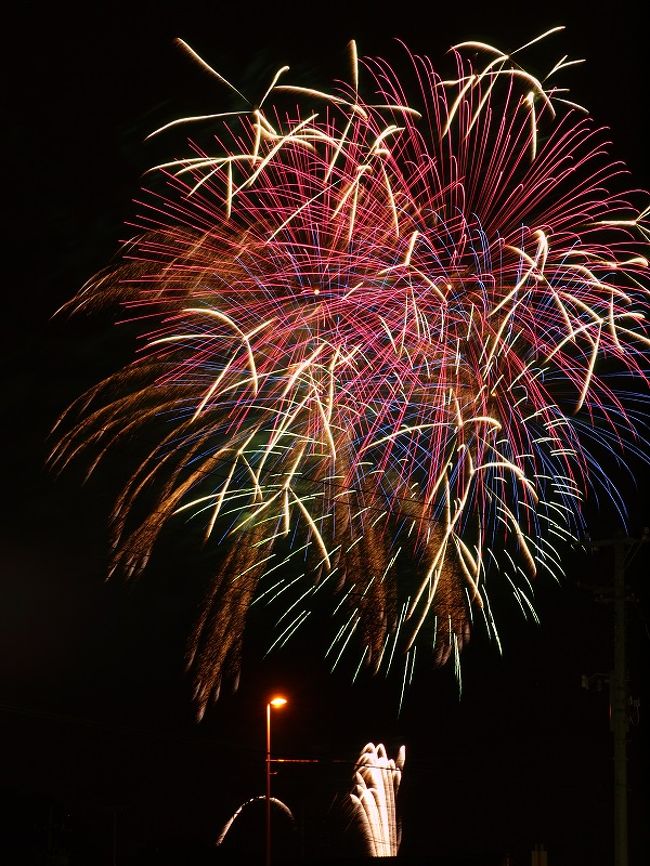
<point x="276" y="702"/>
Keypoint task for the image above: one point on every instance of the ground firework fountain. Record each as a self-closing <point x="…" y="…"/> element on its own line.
<point x="374" y="798"/>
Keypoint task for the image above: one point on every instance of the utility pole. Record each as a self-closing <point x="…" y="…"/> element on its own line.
<point x="618" y="694"/>
<point x="619" y="705"/>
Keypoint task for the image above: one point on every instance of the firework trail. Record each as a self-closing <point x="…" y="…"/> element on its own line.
<point x="376" y="784"/>
<point x="385" y="344"/>
<point x="227" y="826"/>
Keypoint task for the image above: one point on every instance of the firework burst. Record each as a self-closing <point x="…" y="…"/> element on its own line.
<point x="383" y="344"/>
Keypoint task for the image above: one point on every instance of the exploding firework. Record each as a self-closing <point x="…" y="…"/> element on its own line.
<point x="228" y="825"/>
<point x="385" y="345"/>
<point x="376" y="784"/>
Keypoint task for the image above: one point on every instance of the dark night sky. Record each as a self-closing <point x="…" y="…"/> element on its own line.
<point x="95" y="709"/>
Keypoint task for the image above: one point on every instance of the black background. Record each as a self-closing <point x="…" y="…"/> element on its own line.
<point x="102" y="760"/>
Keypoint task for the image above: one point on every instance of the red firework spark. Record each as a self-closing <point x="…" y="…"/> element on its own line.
<point x="382" y="334"/>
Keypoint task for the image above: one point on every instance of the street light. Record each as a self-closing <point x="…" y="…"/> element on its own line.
<point x="276" y="702"/>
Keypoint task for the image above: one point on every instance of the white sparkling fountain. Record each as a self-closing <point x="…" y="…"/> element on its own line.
<point x="374" y="798"/>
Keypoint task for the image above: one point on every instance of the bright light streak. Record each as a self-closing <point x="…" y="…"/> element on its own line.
<point x="374" y="799"/>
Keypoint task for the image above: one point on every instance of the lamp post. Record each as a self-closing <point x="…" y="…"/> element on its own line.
<point x="276" y="702"/>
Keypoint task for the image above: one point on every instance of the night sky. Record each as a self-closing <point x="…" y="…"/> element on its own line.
<point x="101" y="758"/>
